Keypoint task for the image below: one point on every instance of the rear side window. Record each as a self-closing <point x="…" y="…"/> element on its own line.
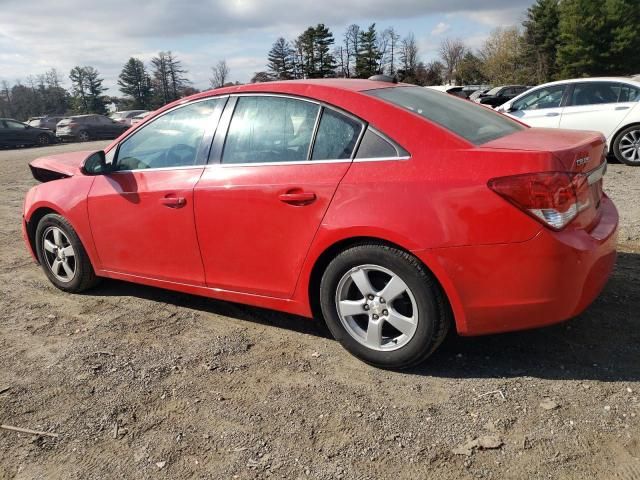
<point x="472" y="122"/>
<point x="374" y="145"/>
<point x="593" y="93"/>
<point x="270" y="129"/>
<point x="628" y="93"/>
<point x="337" y="136"/>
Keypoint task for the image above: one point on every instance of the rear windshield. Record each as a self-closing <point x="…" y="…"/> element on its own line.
<point x="472" y="122"/>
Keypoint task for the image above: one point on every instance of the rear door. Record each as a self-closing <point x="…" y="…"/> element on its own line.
<point x="18" y="133"/>
<point x="541" y="107"/>
<point x="277" y="162"/>
<point x="141" y="215"/>
<point x="599" y="106"/>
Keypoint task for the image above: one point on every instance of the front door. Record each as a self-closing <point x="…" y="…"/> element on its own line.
<point x="540" y="108"/>
<point x="141" y="215"/>
<point x="258" y="209"/>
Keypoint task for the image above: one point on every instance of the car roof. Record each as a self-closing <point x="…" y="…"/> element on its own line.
<point x="593" y="79"/>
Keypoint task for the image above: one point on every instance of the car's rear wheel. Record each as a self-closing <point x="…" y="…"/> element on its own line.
<point x="626" y="146"/>
<point x="62" y="256"/>
<point x="44" y="140"/>
<point x="83" y="136"/>
<point x="383" y="306"/>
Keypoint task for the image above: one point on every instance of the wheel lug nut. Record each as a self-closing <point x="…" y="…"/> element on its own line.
<point x="370" y="297"/>
<point x="366" y="307"/>
<point x="384" y="312"/>
<point x="382" y="300"/>
<point x="375" y="317"/>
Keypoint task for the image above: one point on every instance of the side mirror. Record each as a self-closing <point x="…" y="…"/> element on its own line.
<point x="95" y="164"/>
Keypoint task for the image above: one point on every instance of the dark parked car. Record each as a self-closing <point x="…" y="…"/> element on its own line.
<point x="48" y="121"/>
<point x="14" y="133"/>
<point x="499" y="95"/>
<point x="88" y="127"/>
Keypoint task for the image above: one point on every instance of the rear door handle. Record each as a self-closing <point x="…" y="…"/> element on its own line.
<point x="622" y="108"/>
<point x="172" y="201"/>
<point x="552" y="114"/>
<point x="298" y="198"/>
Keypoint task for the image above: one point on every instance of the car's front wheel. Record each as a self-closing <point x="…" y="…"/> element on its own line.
<point x="383" y="306"/>
<point x="62" y="256"/>
<point x="626" y="146"/>
<point x="83" y="136"/>
<point x="44" y="140"/>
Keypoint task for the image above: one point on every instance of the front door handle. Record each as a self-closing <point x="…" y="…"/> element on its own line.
<point x="622" y="108"/>
<point x="297" y="197"/>
<point x="552" y="114"/>
<point x="172" y="201"/>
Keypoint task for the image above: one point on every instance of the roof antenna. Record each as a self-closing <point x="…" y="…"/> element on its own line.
<point x="383" y="78"/>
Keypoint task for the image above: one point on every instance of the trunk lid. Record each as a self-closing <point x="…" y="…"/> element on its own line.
<point x="580" y="154"/>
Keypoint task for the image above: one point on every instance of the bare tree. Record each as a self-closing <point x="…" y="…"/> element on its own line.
<point x="351" y="48"/>
<point x="390" y="55"/>
<point x="219" y="74"/>
<point x="409" y="56"/>
<point x="451" y="52"/>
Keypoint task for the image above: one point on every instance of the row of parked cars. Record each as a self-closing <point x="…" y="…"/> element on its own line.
<point x="50" y="129"/>
<point x="607" y="104"/>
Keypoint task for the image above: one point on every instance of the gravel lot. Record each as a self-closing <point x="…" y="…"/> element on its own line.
<point x="140" y="382"/>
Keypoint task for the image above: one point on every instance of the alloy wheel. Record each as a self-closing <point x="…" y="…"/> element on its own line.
<point x="59" y="254"/>
<point x="83" y="136"/>
<point x="629" y="146"/>
<point x="376" y="307"/>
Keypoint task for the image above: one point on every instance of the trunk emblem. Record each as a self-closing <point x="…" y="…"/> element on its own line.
<point x="582" y="161"/>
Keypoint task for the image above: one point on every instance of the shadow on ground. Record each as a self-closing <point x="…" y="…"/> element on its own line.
<point x="601" y="344"/>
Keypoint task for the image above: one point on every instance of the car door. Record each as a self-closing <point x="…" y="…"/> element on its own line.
<point x="18" y="133"/>
<point x="599" y="106"/>
<point x="272" y="176"/>
<point x="541" y="107"/>
<point x="141" y="214"/>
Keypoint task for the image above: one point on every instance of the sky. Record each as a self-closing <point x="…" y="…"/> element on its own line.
<point x="37" y="35"/>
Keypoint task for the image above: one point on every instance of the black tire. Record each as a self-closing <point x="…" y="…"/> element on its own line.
<point x="434" y="318"/>
<point x="620" y="138"/>
<point x="84" y="277"/>
<point x="44" y="140"/>
<point x="83" y="136"/>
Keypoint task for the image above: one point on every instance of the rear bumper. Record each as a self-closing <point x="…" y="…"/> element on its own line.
<point x="548" y="279"/>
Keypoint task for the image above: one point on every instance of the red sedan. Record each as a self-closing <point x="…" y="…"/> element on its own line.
<point x="392" y="211"/>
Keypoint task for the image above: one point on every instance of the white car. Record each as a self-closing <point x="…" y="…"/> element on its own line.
<point x="608" y="105"/>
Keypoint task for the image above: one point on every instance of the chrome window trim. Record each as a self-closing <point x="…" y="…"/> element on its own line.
<point x="275" y="164"/>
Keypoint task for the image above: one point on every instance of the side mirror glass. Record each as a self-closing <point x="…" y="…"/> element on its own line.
<point x="95" y="164"/>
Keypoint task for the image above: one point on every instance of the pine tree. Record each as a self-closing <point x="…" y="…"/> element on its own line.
<point x="135" y="82"/>
<point x="281" y="61"/>
<point x="541" y="39"/>
<point x="87" y="89"/>
<point x="324" y="59"/>
<point x="368" y="54"/>
<point x="169" y="82"/>
<point x="598" y="37"/>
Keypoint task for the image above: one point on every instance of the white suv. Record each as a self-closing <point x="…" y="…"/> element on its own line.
<point x="607" y="105"/>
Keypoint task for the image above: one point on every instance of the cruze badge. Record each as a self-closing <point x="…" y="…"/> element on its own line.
<point x="582" y="161"/>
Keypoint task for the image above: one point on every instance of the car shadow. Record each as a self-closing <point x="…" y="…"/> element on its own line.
<point x="601" y="344"/>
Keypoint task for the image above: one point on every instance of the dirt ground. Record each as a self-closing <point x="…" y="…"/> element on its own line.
<point x="143" y="383"/>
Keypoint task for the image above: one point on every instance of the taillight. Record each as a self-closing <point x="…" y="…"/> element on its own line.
<point x="71" y="124"/>
<point x="553" y="198"/>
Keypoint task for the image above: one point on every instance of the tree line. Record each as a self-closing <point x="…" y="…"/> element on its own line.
<point x="558" y="39"/>
<point x="143" y="88"/>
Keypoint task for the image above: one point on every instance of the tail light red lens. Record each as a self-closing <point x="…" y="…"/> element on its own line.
<point x="553" y="198"/>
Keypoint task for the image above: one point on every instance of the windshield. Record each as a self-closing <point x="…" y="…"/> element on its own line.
<point x="494" y="91"/>
<point x="472" y="122"/>
<point x="118" y="115"/>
